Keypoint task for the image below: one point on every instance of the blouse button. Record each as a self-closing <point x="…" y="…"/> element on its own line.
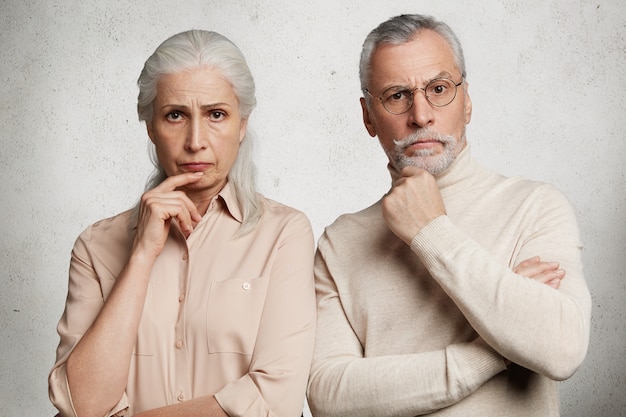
<point x="179" y="344"/>
<point x="185" y="256"/>
<point x="181" y="298"/>
<point x="181" y="397"/>
<point x="246" y="286"/>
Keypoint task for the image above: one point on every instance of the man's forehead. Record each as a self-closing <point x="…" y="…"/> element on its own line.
<point x="426" y="56"/>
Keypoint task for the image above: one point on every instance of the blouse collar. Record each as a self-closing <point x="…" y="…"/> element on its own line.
<point x="228" y="197"/>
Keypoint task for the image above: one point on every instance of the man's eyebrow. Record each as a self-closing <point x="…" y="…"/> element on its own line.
<point x="442" y="74"/>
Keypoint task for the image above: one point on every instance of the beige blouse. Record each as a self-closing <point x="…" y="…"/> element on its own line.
<point x="223" y="316"/>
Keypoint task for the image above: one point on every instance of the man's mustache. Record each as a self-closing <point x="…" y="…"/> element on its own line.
<point x="422" y="135"/>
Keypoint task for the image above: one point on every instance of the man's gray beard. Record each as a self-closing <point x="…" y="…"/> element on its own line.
<point x="425" y="158"/>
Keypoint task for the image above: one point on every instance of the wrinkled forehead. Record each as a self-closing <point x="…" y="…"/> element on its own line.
<point x="426" y="56"/>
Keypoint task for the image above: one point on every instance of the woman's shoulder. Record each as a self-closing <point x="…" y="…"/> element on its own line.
<point x="276" y="208"/>
<point x="111" y="229"/>
<point x="105" y="244"/>
<point x="276" y="212"/>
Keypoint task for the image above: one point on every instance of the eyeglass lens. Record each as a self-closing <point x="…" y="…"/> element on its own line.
<point x="439" y="92"/>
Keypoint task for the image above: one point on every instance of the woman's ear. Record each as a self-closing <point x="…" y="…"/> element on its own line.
<point x="150" y="131"/>
<point x="242" y="129"/>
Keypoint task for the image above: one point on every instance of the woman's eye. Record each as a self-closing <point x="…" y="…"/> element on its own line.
<point x="217" y="115"/>
<point x="174" y="116"/>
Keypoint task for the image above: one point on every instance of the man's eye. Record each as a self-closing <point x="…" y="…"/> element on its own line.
<point x="399" y="96"/>
<point x="438" y="88"/>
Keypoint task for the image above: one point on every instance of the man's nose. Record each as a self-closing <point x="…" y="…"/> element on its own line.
<point x="421" y="112"/>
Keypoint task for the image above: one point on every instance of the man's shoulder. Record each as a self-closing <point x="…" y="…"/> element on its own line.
<point x="525" y="186"/>
<point x="492" y="182"/>
<point x="517" y="193"/>
<point x="365" y="216"/>
<point x="351" y="228"/>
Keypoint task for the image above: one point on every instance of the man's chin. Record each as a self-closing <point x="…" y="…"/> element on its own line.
<point x="434" y="164"/>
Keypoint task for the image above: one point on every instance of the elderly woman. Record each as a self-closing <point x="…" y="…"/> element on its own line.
<point x="200" y="301"/>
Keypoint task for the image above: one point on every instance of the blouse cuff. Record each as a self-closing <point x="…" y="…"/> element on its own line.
<point x="239" y="397"/>
<point x="61" y="396"/>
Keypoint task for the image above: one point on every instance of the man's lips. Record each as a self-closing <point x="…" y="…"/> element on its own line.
<point x="423" y="143"/>
<point x="420" y="146"/>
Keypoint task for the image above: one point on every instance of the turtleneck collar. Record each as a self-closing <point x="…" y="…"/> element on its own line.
<point x="460" y="171"/>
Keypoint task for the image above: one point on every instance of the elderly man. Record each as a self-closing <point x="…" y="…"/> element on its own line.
<point x="434" y="299"/>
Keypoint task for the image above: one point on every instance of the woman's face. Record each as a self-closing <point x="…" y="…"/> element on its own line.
<point x="196" y="127"/>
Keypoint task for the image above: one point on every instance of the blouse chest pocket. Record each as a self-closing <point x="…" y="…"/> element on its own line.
<point x="234" y="313"/>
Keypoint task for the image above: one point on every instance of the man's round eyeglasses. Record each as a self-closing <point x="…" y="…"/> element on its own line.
<point x="439" y="92"/>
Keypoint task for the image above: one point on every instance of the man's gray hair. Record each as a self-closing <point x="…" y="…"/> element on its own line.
<point x="402" y="29"/>
<point x="197" y="49"/>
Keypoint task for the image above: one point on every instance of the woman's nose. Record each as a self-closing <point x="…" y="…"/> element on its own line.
<point x="196" y="136"/>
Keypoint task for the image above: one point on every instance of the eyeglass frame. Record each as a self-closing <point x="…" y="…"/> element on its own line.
<point x="456" y="86"/>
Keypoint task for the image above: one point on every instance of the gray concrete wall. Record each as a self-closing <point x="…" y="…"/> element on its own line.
<point x="547" y="79"/>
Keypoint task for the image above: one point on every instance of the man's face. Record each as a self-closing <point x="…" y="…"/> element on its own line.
<point x="425" y="136"/>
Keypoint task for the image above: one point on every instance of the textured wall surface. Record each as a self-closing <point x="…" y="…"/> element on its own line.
<point x="546" y="78"/>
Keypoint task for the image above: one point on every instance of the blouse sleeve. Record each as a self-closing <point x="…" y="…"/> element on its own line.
<point x="276" y="382"/>
<point x="85" y="299"/>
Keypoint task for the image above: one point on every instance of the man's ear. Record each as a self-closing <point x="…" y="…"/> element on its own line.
<point x="368" y="120"/>
<point x="468" y="104"/>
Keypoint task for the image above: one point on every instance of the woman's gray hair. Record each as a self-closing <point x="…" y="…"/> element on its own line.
<point x="196" y="49"/>
<point x="402" y="29"/>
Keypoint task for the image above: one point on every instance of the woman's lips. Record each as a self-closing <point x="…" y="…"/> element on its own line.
<point x="196" y="166"/>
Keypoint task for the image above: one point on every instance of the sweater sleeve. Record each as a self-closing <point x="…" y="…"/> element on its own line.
<point x="345" y="383"/>
<point x="531" y="324"/>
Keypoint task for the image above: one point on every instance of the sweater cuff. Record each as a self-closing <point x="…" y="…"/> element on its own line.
<point x="436" y="238"/>
<point x="478" y="361"/>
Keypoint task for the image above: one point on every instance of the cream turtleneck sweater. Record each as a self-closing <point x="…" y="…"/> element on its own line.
<point x="405" y="331"/>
